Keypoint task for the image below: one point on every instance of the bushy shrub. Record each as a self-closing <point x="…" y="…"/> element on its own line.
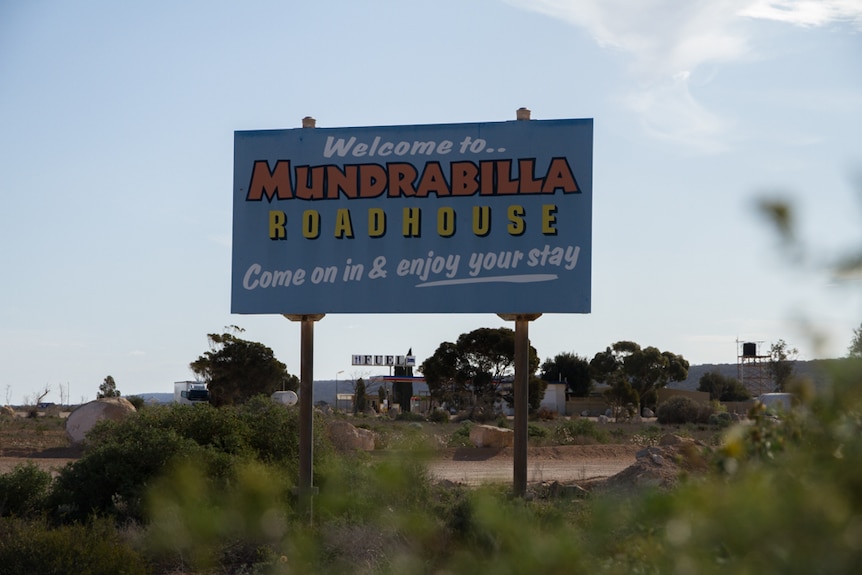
<point x="536" y="431"/>
<point x="438" y="416"/>
<point x="720" y="419"/>
<point x="650" y="436"/>
<point x="545" y="414"/>
<point x="23" y="490"/>
<point x="111" y="478"/>
<point x="137" y="401"/>
<point x="273" y="432"/>
<point x="578" y="431"/>
<point x="225" y="430"/>
<point x="123" y="457"/>
<point x="96" y="548"/>
<point x="680" y="409"/>
<point x="461" y="436"/>
<point x="203" y="525"/>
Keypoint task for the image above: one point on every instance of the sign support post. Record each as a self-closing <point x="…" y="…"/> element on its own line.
<point x="522" y="397"/>
<point x="305" y="488"/>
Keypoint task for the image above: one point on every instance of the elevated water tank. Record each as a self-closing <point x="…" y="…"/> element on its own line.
<point x="285" y="397"/>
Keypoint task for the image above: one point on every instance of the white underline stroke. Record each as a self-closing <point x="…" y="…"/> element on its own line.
<point x="520" y="279"/>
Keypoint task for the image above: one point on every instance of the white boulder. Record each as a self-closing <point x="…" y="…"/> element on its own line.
<point x="347" y="437"/>
<point x="83" y="419"/>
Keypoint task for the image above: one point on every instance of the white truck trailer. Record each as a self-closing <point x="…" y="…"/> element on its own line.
<point x="191" y="392"/>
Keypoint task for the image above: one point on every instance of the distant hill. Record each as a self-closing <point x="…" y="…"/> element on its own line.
<point x="156" y="397"/>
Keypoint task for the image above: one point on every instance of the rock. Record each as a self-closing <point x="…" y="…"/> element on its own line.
<point x="557" y="490"/>
<point x="585" y="413"/>
<point x="648" y="452"/>
<point x="604" y="419"/>
<point x="83" y="419"/>
<point x="654" y="455"/>
<point x="348" y="437"/>
<point x="647" y="412"/>
<point x="671" y="439"/>
<point x="491" y="436"/>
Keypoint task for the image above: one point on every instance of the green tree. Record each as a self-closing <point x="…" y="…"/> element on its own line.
<point x="782" y="358"/>
<point x="535" y="392"/>
<point x="621" y="394"/>
<point x="644" y="369"/>
<point x="474" y="365"/>
<point x="855" y="349"/>
<point x="571" y="369"/>
<point x="442" y="374"/>
<point x="108" y="388"/>
<point x="360" y="397"/>
<point x="723" y="388"/>
<point x="236" y="369"/>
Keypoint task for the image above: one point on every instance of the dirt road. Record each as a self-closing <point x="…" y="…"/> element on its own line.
<point x="52" y="459"/>
<point x="474" y="466"/>
<point x="468" y="466"/>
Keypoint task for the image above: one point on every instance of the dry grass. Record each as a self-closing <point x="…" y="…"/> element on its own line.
<point x="21" y="435"/>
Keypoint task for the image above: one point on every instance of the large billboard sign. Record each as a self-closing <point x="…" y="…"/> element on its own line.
<point x="451" y="218"/>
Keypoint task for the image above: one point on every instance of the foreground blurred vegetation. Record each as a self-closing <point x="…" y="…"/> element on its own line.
<point x="203" y="490"/>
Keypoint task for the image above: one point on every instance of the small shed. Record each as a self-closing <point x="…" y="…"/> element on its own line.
<point x="555" y="398"/>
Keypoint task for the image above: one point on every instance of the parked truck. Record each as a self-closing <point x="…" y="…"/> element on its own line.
<point x="191" y="392"/>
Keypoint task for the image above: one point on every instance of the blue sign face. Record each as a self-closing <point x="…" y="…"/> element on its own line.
<point x="455" y="218"/>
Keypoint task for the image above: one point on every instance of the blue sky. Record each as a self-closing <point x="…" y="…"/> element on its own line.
<point x="116" y="150"/>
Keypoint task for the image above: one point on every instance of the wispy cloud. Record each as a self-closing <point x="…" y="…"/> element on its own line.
<point x="663" y="37"/>
<point x="806" y="12"/>
<point x="667" y="41"/>
<point x="668" y="111"/>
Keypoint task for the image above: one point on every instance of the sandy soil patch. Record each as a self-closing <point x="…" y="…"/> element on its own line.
<point x="565" y="464"/>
